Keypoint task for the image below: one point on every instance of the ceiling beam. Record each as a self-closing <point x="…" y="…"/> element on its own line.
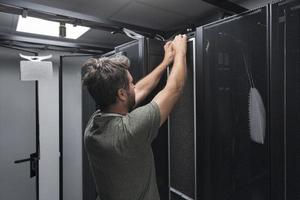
<point x="57" y="14"/>
<point x="10" y="39"/>
<point x="227" y="6"/>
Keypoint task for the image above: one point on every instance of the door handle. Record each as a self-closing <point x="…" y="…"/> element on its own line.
<point x="33" y="163"/>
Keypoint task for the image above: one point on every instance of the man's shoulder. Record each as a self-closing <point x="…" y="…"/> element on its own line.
<point x="148" y="109"/>
<point x="144" y="121"/>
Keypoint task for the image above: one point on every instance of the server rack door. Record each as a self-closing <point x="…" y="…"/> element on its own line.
<point x="289" y="31"/>
<point x="234" y="161"/>
<point x="277" y="99"/>
<point x="182" y="136"/>
<point x="154" y="54"/>
<point x="292" y="90"/>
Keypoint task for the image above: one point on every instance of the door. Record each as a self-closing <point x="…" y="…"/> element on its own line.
<point x="182" y="130"/>
<point x="17" y="129"/>
<point x="233" y="138"/>
<point x="285" y="99"/>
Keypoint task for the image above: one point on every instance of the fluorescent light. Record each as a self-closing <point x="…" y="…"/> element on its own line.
<point x="49" y="28"/>
<point x="74" y="32"/>
<point x="38" y="26"/>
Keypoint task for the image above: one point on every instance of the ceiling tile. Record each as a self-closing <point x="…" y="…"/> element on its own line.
<point x="189" y="8"/>
<point x="104" y="37"/>
<point x="148" y="16"/>
<point x="252" y="4"/>
<point x="97" y="8"/>
<point x="8" y="24"/>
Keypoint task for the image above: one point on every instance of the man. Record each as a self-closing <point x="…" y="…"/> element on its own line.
<point x="118" y="138"/>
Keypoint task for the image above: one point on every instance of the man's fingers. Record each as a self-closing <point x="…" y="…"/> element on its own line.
<point x="180" y="37"/>
<point x="168" y="44"/>
<point x="177" y="36"/>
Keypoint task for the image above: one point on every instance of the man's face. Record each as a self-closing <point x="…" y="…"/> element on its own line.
<point x="130" y="93"/>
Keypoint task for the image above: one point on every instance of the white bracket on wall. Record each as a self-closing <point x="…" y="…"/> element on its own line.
<point x="34" y="68"/>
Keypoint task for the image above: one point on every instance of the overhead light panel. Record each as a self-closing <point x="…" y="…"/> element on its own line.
<point x="44" y="27"/>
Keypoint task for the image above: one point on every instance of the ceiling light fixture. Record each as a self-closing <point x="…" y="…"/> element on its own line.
<point x="62" y="29"/>
<point x="24" y="13"/>
<point x="50" y="28"/>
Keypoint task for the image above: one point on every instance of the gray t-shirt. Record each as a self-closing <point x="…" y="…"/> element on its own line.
<point x="120" y="153"/>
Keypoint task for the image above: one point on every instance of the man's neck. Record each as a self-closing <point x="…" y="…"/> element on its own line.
<point x="118" y="109"/>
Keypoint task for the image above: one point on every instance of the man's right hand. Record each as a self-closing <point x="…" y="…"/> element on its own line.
<point x="180" y="44"/>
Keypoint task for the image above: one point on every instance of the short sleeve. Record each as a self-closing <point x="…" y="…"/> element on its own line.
<point x="144" y="122"/>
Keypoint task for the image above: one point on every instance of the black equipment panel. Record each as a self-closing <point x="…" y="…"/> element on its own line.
<point x="160" y="144"/>
<point x="232" y="166"/>
<point x="182" y="134"/>
<point x="286" y="95"/>
<point x="135" y="51"/>
<point x="292" y="88"/>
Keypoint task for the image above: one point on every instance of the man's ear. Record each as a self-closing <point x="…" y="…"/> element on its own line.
<point x="122" y="94"/>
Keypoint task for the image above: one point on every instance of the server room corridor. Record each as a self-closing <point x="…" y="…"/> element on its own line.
<point x="233" y="131"/>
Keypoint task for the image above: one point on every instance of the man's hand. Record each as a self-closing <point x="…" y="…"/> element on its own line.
<point x="180" y="44"/>
<point x="169" y="53"/>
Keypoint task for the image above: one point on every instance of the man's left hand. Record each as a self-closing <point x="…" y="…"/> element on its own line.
<point x="169" y="53"/>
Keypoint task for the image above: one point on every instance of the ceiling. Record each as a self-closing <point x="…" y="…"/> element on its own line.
<point x="253" y="4"/>
<point x="163" y="15"/>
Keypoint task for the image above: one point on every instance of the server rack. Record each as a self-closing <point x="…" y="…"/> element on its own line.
<point x="135" y="51"/>
<point x="232" y="59"/>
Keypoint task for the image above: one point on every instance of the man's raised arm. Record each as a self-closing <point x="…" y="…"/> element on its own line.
<point x="167" y="98"/>
<point x="144" y="87"/>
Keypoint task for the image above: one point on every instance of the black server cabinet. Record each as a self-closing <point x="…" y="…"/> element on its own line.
<point x="233" y="108"/>
<point x="182" y="143"/>
<point x="154" y="57"/>
<point x="135" y="51"/>
<point x="285" y="104"/>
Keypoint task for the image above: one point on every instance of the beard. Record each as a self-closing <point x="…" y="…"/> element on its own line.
<point x="131" y="101"/>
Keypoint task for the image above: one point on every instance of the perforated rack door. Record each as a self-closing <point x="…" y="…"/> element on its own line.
<point x="292" y="98"/>
<point x="182" y="136"/>
<point x="232" y="164"/>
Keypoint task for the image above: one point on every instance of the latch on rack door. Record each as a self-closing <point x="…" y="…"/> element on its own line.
<point x="33" y="163"/>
